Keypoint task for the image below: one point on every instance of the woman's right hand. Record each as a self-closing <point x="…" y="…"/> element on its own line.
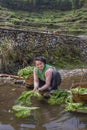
<point x="35" y="90"/>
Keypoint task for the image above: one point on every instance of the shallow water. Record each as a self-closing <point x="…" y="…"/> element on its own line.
<point x="46" y="118"/>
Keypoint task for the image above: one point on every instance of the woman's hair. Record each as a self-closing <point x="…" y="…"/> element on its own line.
<point x="40" y="58"/>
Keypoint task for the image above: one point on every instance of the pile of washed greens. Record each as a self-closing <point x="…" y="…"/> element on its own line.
<point x="76" y="106"/>
<point x="26" y="72"/>
<point x="79" y="90"/>
<point x="58" y="97"/>
<point x="24" y="103"/>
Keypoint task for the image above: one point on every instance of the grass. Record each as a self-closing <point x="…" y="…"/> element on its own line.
<point x="73" y="22"/>
<point x="70" y="21"/>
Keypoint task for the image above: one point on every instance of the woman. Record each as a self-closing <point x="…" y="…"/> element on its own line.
<point x="46" y="77"/>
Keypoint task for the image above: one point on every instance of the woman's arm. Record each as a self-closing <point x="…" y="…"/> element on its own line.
<point x="36" y="81"/>
<point x="48" y="75"/>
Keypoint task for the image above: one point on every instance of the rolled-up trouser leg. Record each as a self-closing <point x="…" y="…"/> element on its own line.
<point x="56" y="80"/>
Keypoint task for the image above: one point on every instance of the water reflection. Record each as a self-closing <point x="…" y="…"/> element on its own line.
<point x="59" y="119"/>
<point x="46" y="118"/>
<point x="6" y="127"/>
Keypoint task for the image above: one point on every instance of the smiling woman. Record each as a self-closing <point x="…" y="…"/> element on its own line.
<point x="46" y="77"/>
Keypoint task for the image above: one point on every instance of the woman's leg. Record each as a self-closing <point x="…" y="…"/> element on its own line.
<point x="56" y="80"/>
<point x="45" y="93"/>
<point x="41" y="83"/>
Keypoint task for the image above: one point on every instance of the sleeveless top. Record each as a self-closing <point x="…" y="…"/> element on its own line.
<point x="41" y="74"/>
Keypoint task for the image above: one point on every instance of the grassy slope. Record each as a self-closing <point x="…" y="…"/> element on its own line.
<point x="73" y="22"/>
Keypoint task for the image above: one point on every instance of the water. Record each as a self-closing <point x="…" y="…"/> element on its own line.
<point x="46" y="118"/>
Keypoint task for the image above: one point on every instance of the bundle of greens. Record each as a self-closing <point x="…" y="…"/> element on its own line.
<point x="58" y="97"/>
<point x="22" y="111"/>
<point x="83" y="108"/>
<point x="79" y="90"/>
<point x="27" y="72"/>
<point x="25" y="98"/>
<point x="73" y="106"/>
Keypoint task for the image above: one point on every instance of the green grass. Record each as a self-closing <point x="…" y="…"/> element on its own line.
<point x="72" y="22"/>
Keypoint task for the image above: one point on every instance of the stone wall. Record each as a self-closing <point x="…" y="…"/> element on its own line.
<point x="39" y="42"/>
<point x="38" y="39"/>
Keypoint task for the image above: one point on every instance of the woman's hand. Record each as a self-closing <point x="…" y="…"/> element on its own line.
<point x="35" y="90"/>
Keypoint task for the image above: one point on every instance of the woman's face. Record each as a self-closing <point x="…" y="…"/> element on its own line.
<point x="39" y="65"/>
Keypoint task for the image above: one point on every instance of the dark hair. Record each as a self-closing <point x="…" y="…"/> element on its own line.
<point x="40" y="58"/>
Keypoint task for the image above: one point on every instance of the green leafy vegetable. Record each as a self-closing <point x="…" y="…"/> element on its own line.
<point x="58" y="97"/>
<point x="26" y="72"/>
<point x="25" y="97"/>
<point x="79" y="90"/>
<point x="22" y="111"/>
<point x="69" y="99"/>
<point x="73" y="106"/>
<point x="83" y="108"/>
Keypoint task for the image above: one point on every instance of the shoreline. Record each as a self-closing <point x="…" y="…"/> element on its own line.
<point x="74" y="72"/>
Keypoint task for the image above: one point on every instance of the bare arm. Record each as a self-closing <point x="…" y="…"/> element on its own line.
<point x="36" y="81"/>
